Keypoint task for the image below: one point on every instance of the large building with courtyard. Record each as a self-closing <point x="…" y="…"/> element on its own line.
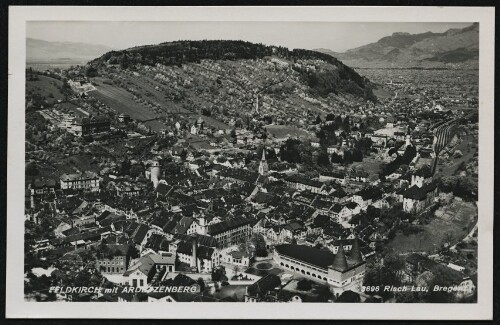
<point x="340" y="271"/>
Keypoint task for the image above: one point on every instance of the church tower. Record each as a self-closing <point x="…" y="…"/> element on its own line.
<point x="263" y="168"/>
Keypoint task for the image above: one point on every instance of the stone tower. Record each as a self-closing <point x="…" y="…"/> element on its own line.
<point x="155" y="173"/>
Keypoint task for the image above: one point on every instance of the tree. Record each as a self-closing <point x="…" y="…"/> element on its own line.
<point x="201" y="283"/>
<point x="357" y="155"/>
<point x="206" y="112"/>
<point x="133" y="251"/>
<point x="348" y="157"/>
<point x="304" y="285"/>
<point x="219" y="274"/>
<point x="290" y="151"/>
<point x="373" y="212"/>
<point x="125" y="167"/>
<point x="91" y="72"/>
<point x="336" y="158"/>
<point x="323" y="158"/>
<point x="31" y="169"/>
<point x="261" y="252"/>
<point x="384" y="274"/>
<point x="346" y="124"/>
<point x="135" y="170"/>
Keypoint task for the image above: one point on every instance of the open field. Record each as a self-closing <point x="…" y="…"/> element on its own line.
<point x="46" y="87"/>
<point x="122" y="101"/>
<point x="371" y="166"/>
<point x="146" y="87"/>
<point x="285" y="131"/>
<point x="454" y="220"/>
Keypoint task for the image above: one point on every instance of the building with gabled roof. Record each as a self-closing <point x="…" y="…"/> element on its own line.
<point x="147" y="268"/>
<point x="88" y="181"/>
<point x="264" y="289"/>
<point x="416" y="199"/>
<point x="231" y="231"/>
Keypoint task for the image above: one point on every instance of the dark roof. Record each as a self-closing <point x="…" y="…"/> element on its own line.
<point x="163" y="188"/>
<point x="201" y="240"/>
<point x="340" y="260"/>
<point x="373" y="193"/>
<point x="264" y="198"/>
<point x="185" y="247"/>
<point x="307" y="254"/>
<point x="119" y="249"/>
<point x="419" y="193"/>
<point x="301" y="179"/>
<point x="157" y="242"/>
<point x="355" y="253"/>
<point x="351" y="205"/>
<point x="317" y="257"/>
<point x="336" y="208"/>
<point x="228" y="225"/>
<point x="415" y="193"/>
<point x="205" y="252"/>
<point x="111" y="218"/>
<point x="264" y="285"/>
<point x="183" y="225"/>
<point x="240" y="174"/>
<point x="71" y="231"/>
<point x="321" y="220"/>
<point x="140" y="233"/>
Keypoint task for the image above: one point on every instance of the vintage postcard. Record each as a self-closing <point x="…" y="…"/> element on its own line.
<point x="281" y="162"/>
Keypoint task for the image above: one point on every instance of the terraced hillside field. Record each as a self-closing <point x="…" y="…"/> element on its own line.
<point x="122" y="101"/>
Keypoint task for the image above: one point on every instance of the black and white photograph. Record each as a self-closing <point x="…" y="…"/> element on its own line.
<point x="316" y="162"/>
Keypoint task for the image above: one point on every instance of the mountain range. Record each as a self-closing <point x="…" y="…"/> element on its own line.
<point x="41" y="51"/>
<point x="455" y="48"/>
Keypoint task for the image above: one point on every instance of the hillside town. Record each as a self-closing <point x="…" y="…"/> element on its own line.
<point x="258" y="189"/>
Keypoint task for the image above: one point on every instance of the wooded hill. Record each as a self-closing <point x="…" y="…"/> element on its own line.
<point x="336" y="77"/>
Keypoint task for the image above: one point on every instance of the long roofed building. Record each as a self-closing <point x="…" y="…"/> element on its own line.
<point x="341" y="271"/>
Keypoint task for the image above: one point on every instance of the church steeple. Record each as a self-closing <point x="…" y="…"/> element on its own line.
<point x="263" y="168"/>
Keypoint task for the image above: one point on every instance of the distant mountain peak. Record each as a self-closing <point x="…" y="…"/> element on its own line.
<point x="453" y="47"/>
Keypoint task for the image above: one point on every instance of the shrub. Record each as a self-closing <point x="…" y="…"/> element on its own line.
<point x="304" y="285"/>
<point x="261" y="252"/>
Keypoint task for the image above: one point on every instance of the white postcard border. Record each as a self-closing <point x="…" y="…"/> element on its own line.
<point x="16" y="307"/>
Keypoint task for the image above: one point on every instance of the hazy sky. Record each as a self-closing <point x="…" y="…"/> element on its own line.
<point x="308" y="35"/>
